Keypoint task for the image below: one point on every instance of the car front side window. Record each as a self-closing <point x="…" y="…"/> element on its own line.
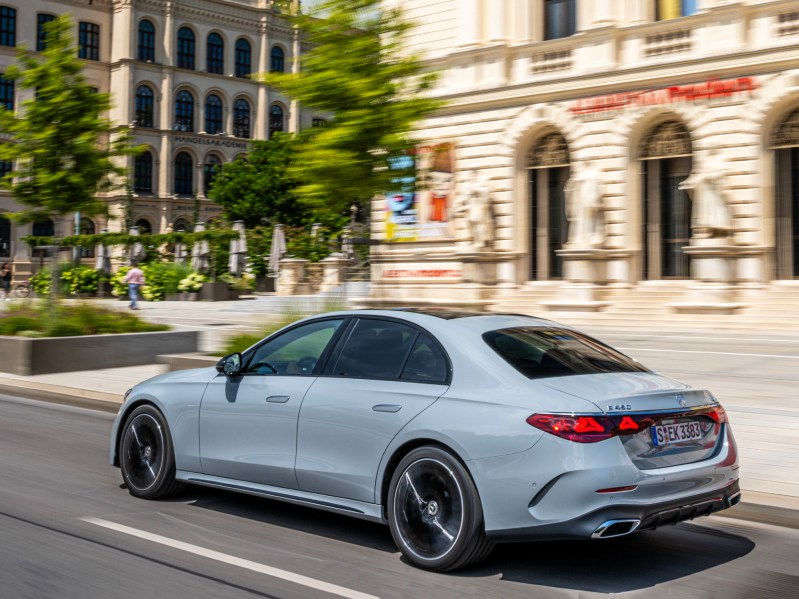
<point x="295" y="352"/>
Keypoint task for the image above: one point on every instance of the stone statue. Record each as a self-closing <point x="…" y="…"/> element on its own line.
<point x="583" y="192"/>
<point x="474" y="206"/>
<point x="710" y="217"/>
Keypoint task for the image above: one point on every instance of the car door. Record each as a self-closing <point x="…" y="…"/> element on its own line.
<point x="248" y="422"/>
<point x="385" y="373"/>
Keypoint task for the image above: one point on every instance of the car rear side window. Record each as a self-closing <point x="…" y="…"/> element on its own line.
<point x="426" y="364"/>
<point x="376" y="349"/>
<point x="542" y="352"/>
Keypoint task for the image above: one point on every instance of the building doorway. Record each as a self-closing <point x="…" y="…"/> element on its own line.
<point x="785" y="144"/>
<point x="666" y="217"/>
<point x="548" y="166"/>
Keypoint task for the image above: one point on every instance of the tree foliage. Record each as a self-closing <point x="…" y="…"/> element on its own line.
<point x="257" y="188"/>
<point x="356" y="71"/>
<point x="61" y="142"/>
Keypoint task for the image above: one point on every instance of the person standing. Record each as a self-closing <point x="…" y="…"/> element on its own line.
<point x="135" y="279"/>
<point x="5" y="279"/>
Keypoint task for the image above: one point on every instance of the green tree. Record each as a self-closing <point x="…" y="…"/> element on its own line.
<point x="358" y="71"/>
<point x="61" y="142"/>
<point x="257" y="187"/>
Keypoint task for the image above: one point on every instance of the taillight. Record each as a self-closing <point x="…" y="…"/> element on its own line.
<point x="591" y="428"/>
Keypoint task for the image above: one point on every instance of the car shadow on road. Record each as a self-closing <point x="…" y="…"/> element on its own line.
<point x="639" y="561"/>
<point x="295" y="517"/>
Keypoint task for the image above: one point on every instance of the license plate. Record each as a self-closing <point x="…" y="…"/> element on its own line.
<point x="665" y="434"/>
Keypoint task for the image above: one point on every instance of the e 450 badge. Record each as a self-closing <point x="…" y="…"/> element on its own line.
<point x="622" y="407"/>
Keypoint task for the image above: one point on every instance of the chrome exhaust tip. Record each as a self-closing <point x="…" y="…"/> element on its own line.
<point x="615" y="528"/>
<point x="734" y="499"/>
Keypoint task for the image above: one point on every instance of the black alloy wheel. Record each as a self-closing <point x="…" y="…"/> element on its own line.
<point x="146" y="457"/>
<point x="435" y="513"/>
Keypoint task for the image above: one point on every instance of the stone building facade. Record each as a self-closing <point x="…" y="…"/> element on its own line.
<point x="179" y="72"/>
<point x="670" y="129"/>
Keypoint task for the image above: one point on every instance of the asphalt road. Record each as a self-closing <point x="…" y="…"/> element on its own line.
<point x="67" y="529"/>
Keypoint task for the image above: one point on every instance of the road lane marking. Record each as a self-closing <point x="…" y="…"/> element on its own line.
<point x="716" y="353"/>
<point x="232" y="560"/>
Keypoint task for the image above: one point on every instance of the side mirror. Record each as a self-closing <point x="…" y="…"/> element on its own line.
<point x="230" y="365"/>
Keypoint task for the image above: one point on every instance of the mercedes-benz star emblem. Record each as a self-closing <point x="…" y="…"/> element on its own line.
<point x="680" y="399"/>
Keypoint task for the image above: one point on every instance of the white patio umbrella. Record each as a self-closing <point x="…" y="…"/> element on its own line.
<point x="180" y="253"/>
<point x="277" y="249"/>
<point x="238" y="250"/>
<point x="137" y="249"/>
<point x="103" y="260"/>
<point x="199" y="252"/>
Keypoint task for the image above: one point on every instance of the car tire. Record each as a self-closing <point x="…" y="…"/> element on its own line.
<point x="435" y="513"/>
<point x="146" y="456"/>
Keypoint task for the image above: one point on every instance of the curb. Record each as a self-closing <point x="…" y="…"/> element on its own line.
<point x="766" y="508"/>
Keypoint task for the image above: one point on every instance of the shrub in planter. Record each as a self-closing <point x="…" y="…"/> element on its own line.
<point x="118" y="288"/>
<point x="191" y="283"/>
<point x="41" y="282"/>
<point x="80" y="280"/>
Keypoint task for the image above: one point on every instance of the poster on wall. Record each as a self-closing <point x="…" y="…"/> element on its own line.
<point x="419" y="206"/>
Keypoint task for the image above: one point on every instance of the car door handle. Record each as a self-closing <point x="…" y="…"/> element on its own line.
<point x="387" y="407"/>
<point x="278" y="398"/>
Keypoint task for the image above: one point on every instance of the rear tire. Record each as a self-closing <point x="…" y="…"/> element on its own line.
<point x="435" y="513"/>
<point x="146" y="456"/>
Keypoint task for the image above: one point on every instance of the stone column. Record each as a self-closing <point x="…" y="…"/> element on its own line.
<point x="333" y="273"/>
<point x="261" y="110"/>
<point x="294" y="110"/>
<point x="469" y="18"/>
<point x="290" y="275"/>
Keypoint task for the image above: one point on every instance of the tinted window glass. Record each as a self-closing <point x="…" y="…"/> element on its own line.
<point x="294" y="352"/>
<point x="376" y="349"/>
<point x="541" y="352"/>
<point x="426" y="364"/>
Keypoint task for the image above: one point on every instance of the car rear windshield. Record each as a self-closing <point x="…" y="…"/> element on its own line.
<point x="542" y="352"/>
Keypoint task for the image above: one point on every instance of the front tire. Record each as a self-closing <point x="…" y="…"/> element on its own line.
<point x="146" y="456"/>
<point x="435" y="513"/>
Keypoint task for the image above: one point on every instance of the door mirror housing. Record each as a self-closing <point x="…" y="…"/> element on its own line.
<point x="230" y="365"/>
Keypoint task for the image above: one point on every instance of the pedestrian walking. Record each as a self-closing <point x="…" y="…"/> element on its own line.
<point x="5" y="279"/>
<point x="135" y="279"/>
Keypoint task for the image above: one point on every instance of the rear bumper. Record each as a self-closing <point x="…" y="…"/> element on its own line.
<point x="649" y="517"/>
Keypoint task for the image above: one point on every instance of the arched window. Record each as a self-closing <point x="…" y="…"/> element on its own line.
<point x="215" y="61"/>
<point x="184" y="169"/>
<point x="243" y="58"/>
<point x="275" y="120"/>
<point x="185" y="48"/>
<point x="213" y="114"/>
<point x="277" y="63"/>
<point x="184" y="111"/>
<point x="181" y="226"/>
<point x="43" y="228"/>
<point x="146" y="41"/>
<point x="87" y="227"/>
<point x="785" y="145"/>
<point x="144" y="106"/>
<point x="143" y="173"/>
<point x="673" y="9"/>
<point x="560" y="18"/>
<point x="145" y="228"/>
<point x="5" y="237"/>
<point x="241" y="119"/>
<point x="210" y="169"/>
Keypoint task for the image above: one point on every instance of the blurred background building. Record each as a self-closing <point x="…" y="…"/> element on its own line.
<point x="179" y="74"/>
<point x="629" y="148"/>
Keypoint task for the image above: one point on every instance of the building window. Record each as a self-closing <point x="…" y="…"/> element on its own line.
<point x="673" y="9"/>
<point x="560" y="18"/>
<point x="144" y="226"/>
<point x="317" y="122"/>
<point x="87" y="227"/>
<point x="278" y="60"/>
<point x="143" y="173"/>
<point x="146" y="41"/>
<point x="275" y="120"/>
<point x="243" y="58"/>
<point x="8" y="26"/>
<point x="6" y="166"/>
<point x="144" y="106"/>
<point x="186" y="48"/>
<point x="181" y="226"/>
<point x="5" y="236"/>
<point x="43" y="228"/>
<point x="6" y="93"/>
<point x="42" y="19"/>
<point x="215" y="61"/>
<point x="241" y="119"/>
<point x="184" y="168"/>
<point x="213" y="114"/>
<point x="184" y="111"/>
<point x="210" y="169"/>
<point x="88" y="41"/>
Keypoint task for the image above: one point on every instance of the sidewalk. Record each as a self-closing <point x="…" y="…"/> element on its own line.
<point x="768" y="462"/>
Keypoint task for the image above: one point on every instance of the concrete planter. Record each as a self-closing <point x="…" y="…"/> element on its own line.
<point x="25" y="356"/>
<point x="184" y="361"/>
<point x="217" y="292"/>
<point x="183" y="296"/>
